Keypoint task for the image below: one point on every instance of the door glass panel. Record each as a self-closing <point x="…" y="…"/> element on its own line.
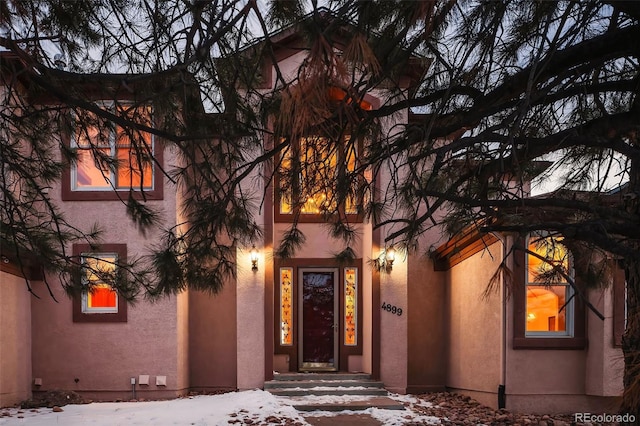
<point x="286" y="307"/>
<point x="350" y="306"/>
<point x="318" y="318"/>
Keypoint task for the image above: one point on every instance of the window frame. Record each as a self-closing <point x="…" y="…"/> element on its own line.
<point x="110" y="193"/>
<point x="79" y="312"/>
<point x="296" y="215"/>
<point x="574" y="338"/>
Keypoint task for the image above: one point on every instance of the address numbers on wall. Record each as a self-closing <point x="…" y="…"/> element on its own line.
<point x="391" y="309"/>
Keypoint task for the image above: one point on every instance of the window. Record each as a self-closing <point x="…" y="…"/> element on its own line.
<point x="546" y="313"/>
<point x="309" y="172"/>
<point x="100" y="302"/>
<point x="351" y="306"/>
<point x="286" y="306"/>
<point x="108" y="160"/>
<point x="549" y="298"/>
<point x="101" y="297"/>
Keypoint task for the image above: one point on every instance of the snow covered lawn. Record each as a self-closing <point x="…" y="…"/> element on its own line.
<point x="255" y="407"/>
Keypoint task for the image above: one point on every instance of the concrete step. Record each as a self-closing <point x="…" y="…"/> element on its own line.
<point x="336" y="391"/>
<point x="351" y="404"/>
<point x="331" y="391"/>
<point x="320" y="376"/>
<point x="283" y="384"/>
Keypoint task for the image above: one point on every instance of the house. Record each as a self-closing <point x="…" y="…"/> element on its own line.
<point x="419" y="323"/>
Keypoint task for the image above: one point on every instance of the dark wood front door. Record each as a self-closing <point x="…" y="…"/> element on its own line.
<point x="319" y="319"/>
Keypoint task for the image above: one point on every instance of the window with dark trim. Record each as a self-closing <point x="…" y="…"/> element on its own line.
<point x="108" y="162"/>
<point x="101" y="303"/>
<point x="547" y="313"/>
<point x="309" y="171"/>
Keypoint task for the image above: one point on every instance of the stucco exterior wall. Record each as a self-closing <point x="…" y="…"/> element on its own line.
<point x="15" y="340"/>
<point x="605" y="362"/>
<point x="212" y="339"/>
<point x="570" y="380"/>
<point x="250" y="322"/>
<point x="426" y="348"/>
<point x="393" y="327"/>
<point x="182" y="340"/>
<point x="554" y="379"/>
<point x="103" y="357"/>
<point x="474" y="327"/>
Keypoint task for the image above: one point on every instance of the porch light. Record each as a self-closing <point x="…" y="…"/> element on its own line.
<point x="254" y="258"/>
<point x="390" y="256"/>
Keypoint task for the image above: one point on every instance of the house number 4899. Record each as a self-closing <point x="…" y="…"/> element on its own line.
<point x="391" y="308"/>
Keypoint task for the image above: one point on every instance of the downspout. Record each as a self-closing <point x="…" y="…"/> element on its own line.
<point x="502" y="395"/>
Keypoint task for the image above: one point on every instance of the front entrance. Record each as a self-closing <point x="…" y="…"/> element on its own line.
<point x="317" y="315"/>
<point x="319" y="320"/>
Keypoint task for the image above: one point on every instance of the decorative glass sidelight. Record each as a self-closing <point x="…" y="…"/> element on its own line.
<point x="350" y="306"/>
<point x="286" y="306"/>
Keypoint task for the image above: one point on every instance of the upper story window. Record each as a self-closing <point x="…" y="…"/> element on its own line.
<point x="549" y="299"/>
<point x="309" y="173"/>
<point x="109" y="160"/>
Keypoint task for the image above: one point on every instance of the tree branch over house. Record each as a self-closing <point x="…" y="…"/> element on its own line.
<point x="491" y="91"/>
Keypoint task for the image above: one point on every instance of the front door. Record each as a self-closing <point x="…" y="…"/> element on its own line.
<point x="318" y="330"/>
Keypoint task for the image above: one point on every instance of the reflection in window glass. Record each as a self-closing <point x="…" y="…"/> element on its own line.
<point x="313" y="189"/>
<point x="547" y="309"/>
<point x="99" y="268"/>
<point x="106" y="157"/>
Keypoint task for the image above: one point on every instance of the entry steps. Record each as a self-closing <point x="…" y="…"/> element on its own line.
<point x="331" y="391"/>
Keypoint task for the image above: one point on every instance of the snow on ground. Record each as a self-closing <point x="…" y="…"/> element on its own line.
<point x="257" y="406"/>
<point x="386" y="417"/>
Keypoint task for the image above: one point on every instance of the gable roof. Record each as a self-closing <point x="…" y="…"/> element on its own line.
<point x="292" y="39"/>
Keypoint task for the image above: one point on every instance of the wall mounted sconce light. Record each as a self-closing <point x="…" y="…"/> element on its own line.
<point x="254" y="258"/>
<point x="389" y="256"/>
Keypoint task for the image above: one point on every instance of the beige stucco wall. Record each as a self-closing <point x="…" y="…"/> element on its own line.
<point x="212" y="339"/>
<point x="15" y="340"/>
<point x="250" y="323"/>
<point x="182" y="340"/>
<point x="474" y="326"/>
<point x="605" y="362"/>
<point x="105" y="356"/>
<point x="566" y="381"/>
<point x="393" y="327"/>
<point x="426" y="348"/>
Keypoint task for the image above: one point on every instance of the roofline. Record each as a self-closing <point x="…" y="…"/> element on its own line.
<point x="461" y="247"/>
